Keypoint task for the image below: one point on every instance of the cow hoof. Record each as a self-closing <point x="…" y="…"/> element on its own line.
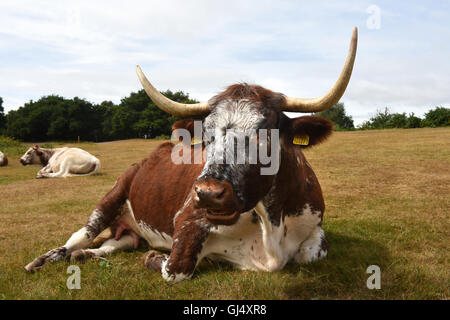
<point x="154" y="259"/>
<point x="51" y="256"/>
<point x="81" y="255"/>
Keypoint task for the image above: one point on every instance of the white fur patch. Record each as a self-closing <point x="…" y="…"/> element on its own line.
<point x="78" y="240"/>
<point x="176" y="277"/>
<point x="112" y="245"/>
<point x="156" y="239"/>
<point x="311" y="249"/>
<point x="262" y="245"/>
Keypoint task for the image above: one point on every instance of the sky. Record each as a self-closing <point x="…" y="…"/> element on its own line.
<point x="89" y="49"/>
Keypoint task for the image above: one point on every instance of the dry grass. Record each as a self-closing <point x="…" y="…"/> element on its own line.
<point x="387" y="197"/>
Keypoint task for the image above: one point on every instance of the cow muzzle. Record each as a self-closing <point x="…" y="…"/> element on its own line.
<point x="22" y="162"/>
<point x="219" y="200"/>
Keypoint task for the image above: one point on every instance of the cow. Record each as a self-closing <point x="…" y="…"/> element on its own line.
<point x="226" y="212"/>
<point x="3" y="160"/>
<point x="61" y="162"/>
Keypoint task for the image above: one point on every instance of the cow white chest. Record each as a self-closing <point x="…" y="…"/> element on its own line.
<point x="250" y="244"/>
<point x="261" y="245"/>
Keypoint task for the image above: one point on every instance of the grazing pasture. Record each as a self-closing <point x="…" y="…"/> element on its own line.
<point x="387" y="204"/>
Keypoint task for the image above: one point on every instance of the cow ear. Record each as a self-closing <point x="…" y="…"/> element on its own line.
<point x="35" y="147"/>
<point x="307" y="131"/>
<point x="189" y="125"/>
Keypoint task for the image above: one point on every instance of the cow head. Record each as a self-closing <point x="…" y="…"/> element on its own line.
<point x="32" y="156"/>
<point x="227" y="189"/>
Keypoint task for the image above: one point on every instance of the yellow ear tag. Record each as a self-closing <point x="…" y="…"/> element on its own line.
<point x="195" y="141"/>
<point x="301" y="140"/>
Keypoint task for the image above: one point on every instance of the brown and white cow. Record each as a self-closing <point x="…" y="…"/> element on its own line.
<point x="61" y="162"/>
<point x="224" y="211"/>
<point x="3" y="160"/>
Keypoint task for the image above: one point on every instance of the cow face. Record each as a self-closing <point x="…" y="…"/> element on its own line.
<point x="226" y="189"/>
<point x="231" y="181"/>
<point x="32" y="156"/>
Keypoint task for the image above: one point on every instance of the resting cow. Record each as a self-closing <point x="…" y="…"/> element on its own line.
<point x="3" y="160"/>
<point x="61" y="162"/>
<point x="223" y="211"/>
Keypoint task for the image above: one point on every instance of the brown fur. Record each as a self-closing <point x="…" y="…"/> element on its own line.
<point x="254" y="93"/>
<point x="43" y="154"/>
<point x="160" y="188"/>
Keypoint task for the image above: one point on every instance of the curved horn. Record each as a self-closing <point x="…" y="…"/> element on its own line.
<point x="331" y="97"/>
<point x="169" y="106"/>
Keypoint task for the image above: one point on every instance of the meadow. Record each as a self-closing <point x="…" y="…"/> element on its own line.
<point x="387" y="204"/>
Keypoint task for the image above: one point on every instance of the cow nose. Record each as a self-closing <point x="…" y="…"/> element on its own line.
<point x="22" y="161"/>
<point x="210" y="195"/>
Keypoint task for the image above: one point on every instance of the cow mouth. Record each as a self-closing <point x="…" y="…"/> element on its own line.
<point x="221" y="217"/>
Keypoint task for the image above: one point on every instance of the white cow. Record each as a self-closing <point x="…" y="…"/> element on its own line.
<point x="3" y="160"/>
<point x="61" y="162"/>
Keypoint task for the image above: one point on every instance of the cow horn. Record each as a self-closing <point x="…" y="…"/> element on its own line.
<point x="331" y="97"/>
<point x="169" y="106"/>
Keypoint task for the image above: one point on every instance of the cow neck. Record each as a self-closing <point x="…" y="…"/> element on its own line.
<point x="45" y="156"/>
<point x="285" y="195"/>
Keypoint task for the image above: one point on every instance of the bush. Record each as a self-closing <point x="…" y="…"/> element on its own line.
<point x="12" y="147"/>
<point x="438" y="117"/>
<point x="397" y="120"/>
<point x="413" y="121"/>
<point x="381" y="119"/>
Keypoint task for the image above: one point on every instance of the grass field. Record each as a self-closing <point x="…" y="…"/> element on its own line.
<point x="387" y="198"/>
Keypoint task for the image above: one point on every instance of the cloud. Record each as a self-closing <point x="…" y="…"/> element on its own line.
<point x="90" y="48"/>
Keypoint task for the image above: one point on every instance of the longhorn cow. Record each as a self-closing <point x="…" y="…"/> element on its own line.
<point x="223" y="211"/>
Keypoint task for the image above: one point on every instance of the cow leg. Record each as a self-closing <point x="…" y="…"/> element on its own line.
<point x="190" y="232"/>
<point x="63" y="171"/>
<point x="80" y="239"/>
<point x="83" y="238"/>
<point x="153" y="260"/>
<point x="313" y="248"/>
<point x="44" y="171"/>
<point x="108" y="209"/>
<point x="108" y="247"/>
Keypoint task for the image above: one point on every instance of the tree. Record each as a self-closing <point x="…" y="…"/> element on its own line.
<point x="381" y="119"/>
<point x="438" y="117"/>
<point x="413" y="121"/>
<point x="56" y="118"/>
<point x="397" y="120"/>
<point x="53" y="117"/>
<point x="338" y="115"/>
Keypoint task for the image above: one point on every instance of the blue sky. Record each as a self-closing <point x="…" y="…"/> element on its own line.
<point x="89" y="49"/>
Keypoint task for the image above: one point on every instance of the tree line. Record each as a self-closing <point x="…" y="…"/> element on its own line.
<point x="56" y="118"/>
<point x="136" y="116"/>
<point x="437" y="117"/>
